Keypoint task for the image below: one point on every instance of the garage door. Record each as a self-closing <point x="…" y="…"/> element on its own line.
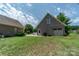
<point x="58" y="32"/>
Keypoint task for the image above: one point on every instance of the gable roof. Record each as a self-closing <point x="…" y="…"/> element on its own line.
<point x="51" y="16"/>
<point x="10" y="22"/>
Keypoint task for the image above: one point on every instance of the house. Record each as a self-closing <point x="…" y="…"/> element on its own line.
<point x="9" y="26"/>
<point x="50" y="25"/>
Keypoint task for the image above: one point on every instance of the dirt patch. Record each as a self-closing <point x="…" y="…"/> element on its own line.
<point x="45" y="49"/>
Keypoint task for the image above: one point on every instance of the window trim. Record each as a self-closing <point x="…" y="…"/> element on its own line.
<point x="57" y="28"/>
<point x="49" y="20"/>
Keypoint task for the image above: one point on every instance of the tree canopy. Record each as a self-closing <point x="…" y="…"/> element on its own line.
<point x="28" y="28"/>
<point x="63" y="18"/>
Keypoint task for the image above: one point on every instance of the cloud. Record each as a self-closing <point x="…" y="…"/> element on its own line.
<point x="1" y="5"/>
<point x="10" y="11"/>
<point x="69" y="13"/>
<point x="58" y="9"/>
<point x="29" y="4"/>
<point x="75" y="21"/>
<point x="66" y="12"/>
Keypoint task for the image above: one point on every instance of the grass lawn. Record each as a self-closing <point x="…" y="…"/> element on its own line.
<point x="30" y="45"/>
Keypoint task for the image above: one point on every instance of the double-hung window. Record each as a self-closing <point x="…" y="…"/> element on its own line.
<point x="49" y="20"/>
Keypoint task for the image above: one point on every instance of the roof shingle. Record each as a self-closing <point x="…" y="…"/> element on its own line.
<point x="10" y="22"/>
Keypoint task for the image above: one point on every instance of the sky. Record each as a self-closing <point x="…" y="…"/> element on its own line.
<point x="33" y="13"/>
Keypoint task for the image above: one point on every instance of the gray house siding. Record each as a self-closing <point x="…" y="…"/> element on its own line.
<point x="9" y="26"/>
<point x="54" y="27"/>
<point x="9" y="30"/>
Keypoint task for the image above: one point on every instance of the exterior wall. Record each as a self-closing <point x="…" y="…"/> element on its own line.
<point x="8" y="30"/>
<point x="52" y="28"/>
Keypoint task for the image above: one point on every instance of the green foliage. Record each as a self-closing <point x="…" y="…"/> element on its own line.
<point x="74" y="27"/>
<point x="67" y="30"/>
<point x="28" y="28"/>
<point x="20" y="34"/>
<point x="35" y="30"/>
<point x="63" y="18"/>
<point x="66" y="21"/>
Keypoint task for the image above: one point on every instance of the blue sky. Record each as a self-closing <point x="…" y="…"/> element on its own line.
<point x="34" y="12"/>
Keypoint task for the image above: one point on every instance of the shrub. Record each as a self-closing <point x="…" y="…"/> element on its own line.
<point x="66" y="33"/>
<point x="35" y="30"/>
<point x="49" y="35"/>
<point x="19" y="34"/>
<point x="44" y="34"/>
<point x="67" y="30"/>
<point x="1" y="35"/>
<point x="28" y="29"/>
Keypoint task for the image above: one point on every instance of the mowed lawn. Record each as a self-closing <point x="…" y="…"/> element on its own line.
<point x="36" y="46"/>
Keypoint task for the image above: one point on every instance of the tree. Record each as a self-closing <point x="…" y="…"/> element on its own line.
<point x="65" y="20"/>
<point x="34" y="30"/>
<point x="28" y="28"/>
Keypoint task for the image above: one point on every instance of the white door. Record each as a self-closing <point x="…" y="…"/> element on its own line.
<point x="58" y="32"/>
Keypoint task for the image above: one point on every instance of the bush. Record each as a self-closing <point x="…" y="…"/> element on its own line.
<point x="20" y="34"/>
<point x="44" y="34"/>
<point x="35" y="30"/>
<point x="1" y="35"/>
<point x="67" y="29"/>
<point x="49" y="35"/>
<point x="66" y="33"/>
<point x="5" y="36"/>
<point x="28" y="29"/>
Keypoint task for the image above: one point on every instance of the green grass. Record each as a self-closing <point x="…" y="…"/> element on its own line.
<point x="30" y="45"/>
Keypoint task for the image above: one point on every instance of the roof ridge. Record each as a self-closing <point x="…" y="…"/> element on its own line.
<point x="51" y="16"/>
<point x="12" y="20"/>
<point x="57" y="19"/>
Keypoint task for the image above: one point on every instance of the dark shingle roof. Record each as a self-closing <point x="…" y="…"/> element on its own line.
<point x="10" y="22"/>
<point x="53" y="17"/>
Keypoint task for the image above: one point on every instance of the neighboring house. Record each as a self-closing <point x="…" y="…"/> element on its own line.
<point x="50" y="26"/>
<point x="9" y="26"/>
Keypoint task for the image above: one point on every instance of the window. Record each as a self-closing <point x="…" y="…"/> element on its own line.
<point x="48" y="20"/>
<point x="39" y="31"/>
<point x="57" y="28"/>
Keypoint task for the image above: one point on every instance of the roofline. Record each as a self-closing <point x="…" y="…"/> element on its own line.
<point x="14" y="20"/>
<point x="11" y="25"/>
<point x="41" y="21"/>
<point x="53" y="17"/>
<point x="58" y="20"/>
